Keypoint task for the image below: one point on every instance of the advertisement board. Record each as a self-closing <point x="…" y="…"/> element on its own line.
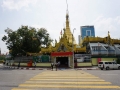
<point x="83" y="57"/>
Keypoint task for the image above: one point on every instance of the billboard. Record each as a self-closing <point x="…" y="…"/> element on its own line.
<point x="83" y="57"/>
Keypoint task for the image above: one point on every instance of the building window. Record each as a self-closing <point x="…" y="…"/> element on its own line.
<point x="88" y="32"/>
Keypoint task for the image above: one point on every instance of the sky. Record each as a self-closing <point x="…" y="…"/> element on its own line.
<point x="50" y="14"/>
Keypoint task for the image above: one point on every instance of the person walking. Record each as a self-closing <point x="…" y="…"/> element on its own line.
<point x="59" y="64"/>
<point x="3" y="62"/>
<point x="18" y="64"/>
<point x="56" y="65"/>
<point x="52" y="65"/>
<point x="114" y="60"/>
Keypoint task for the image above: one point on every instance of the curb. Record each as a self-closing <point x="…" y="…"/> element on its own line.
<point x="27" y="68"/>
<point x="88" y="69"/>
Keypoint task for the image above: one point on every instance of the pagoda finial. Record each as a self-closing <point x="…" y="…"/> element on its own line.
<point x="67" y="15"/>
<point x="67" y="6"/>
<point x="108" y="34"/>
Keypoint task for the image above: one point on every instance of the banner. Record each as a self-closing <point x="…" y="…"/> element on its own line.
<point x="83" y="57"/>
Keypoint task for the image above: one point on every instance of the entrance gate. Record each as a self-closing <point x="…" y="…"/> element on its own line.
<point x="65" y="58"/>
<point x="63" y="61"/>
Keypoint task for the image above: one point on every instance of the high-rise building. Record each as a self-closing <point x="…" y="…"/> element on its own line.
<point x="87" y="31"/>
<point x="0" y="51"/>
<point x="78" y="39"/>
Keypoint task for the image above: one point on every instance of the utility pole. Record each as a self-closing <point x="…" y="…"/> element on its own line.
<point x="73" y="47"/>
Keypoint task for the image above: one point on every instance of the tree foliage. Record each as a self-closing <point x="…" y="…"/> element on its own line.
<point x="2" y="57"/>
<point x="26" y="39"/>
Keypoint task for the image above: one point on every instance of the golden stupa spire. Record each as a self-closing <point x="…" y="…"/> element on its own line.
<point x="67" y="29"/>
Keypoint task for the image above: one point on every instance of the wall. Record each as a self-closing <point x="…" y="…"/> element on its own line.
<point x="37" y="64"/>
<point x="84" y="64"/>
<point x="95" y="60"/>
<point x="108" y="59"/>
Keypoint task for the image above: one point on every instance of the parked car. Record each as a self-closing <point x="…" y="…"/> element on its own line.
<point x="108" y="65"/>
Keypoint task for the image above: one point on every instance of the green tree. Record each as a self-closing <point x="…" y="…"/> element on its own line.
<point x="2" y="57"/>
<point x="26" y="39"/>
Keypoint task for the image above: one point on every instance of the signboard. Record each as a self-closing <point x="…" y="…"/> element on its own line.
<point x="83" y="57"/>
<point x="61" y="53"/>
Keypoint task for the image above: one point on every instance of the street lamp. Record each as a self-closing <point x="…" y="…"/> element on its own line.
<point x="73" y="47"/>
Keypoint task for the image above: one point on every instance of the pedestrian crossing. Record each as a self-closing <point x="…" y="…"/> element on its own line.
<point x="65" y="79"/>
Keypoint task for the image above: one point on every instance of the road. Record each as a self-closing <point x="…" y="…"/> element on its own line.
<point x="67" y="79"/>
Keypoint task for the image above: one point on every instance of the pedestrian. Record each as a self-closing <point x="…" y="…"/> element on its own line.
<point x="59" y="63"/>
<point x="52" y="65"/>
<point x="3" y="62"/>
<point x="7" y="63"/>
<point x="18" y="64"/>
<point x="114" y="61"/>
<point x="56" y="65"/>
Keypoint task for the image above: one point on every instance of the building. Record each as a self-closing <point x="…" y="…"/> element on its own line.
<point x="102" y="48"/>
<point x="0" y="51"/>
<point x="87" y="31"/>
<point x="65" y="49"/>
<point x="79" y="39"/>
<point x="90" y="51"/>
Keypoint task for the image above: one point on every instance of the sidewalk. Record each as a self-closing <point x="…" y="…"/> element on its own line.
<point x="45" y="68"/>
<point x="25" y="68"/>
<point x="89" y="68"/>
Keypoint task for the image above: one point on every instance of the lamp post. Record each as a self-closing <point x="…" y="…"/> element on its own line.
<point x="73" y="47"/>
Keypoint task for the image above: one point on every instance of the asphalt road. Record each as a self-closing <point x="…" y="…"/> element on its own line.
<point x="12" y="78"/>
<point x="112" y="76"/>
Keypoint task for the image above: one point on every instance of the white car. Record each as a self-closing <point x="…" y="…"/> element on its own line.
<point x="108" y="65"/>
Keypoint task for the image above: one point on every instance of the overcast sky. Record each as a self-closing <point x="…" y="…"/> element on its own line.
<point x="50" y="14"/>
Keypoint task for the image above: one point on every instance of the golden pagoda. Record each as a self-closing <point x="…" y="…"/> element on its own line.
<point x="64" y="50"/>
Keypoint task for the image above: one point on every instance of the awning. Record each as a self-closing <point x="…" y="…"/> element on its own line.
<point x="61" y="53"/>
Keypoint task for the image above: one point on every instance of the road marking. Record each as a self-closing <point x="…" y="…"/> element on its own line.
<point x="65" y="86"/>
<point x="35" y="82"/>
<point x="65" y="79"/>
<point x="62" y="77"/>
<point x="22" y="89"/>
